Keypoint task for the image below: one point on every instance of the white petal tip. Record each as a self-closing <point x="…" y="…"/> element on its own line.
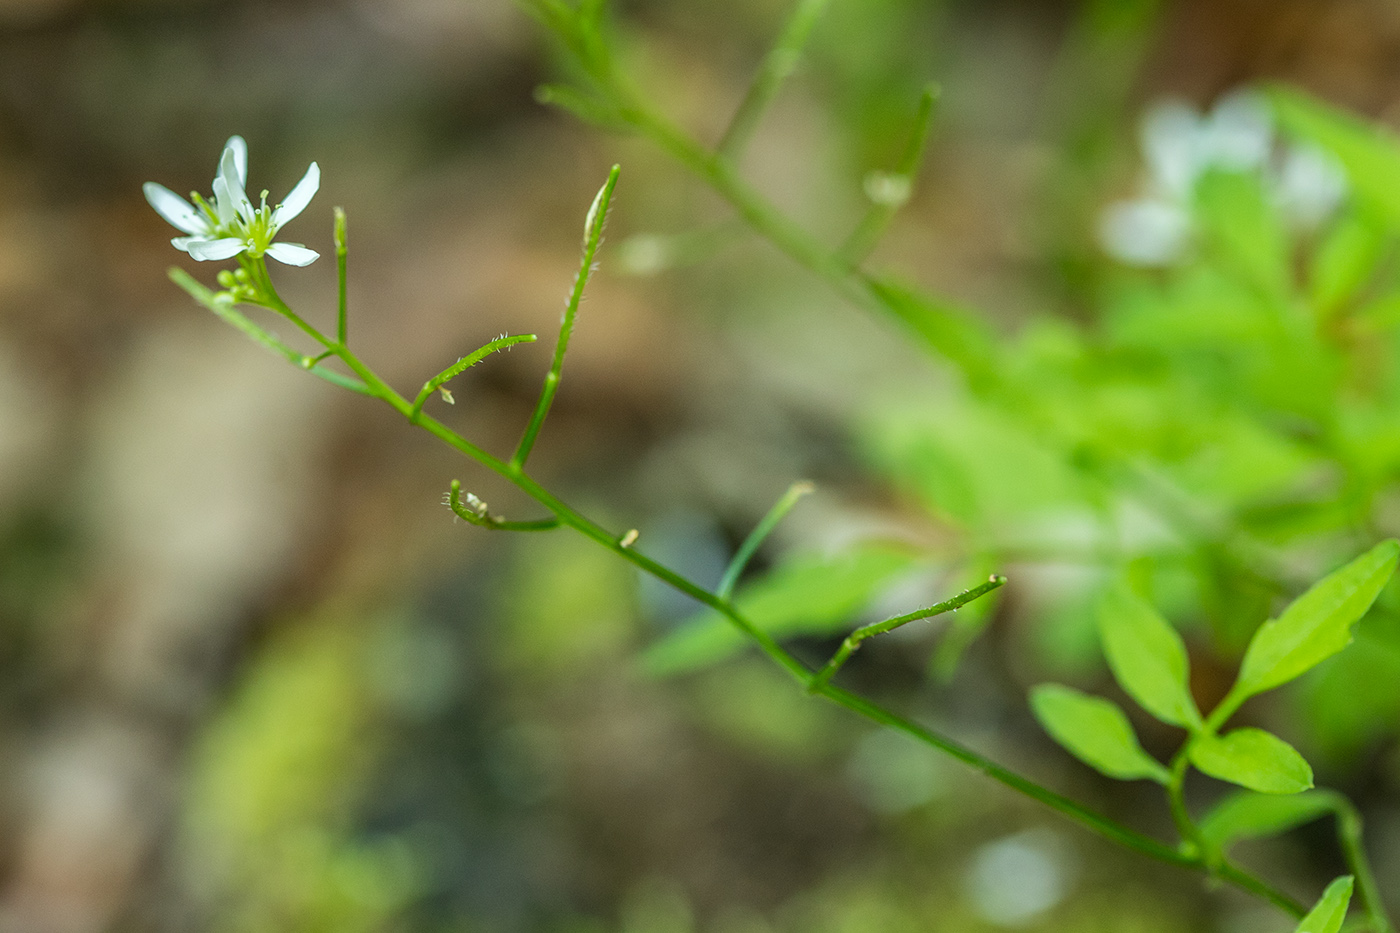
<point x="293" y="254"/>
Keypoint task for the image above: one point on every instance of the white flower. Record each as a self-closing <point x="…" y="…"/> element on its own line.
<point x="231" y="224"/>
<point x="1180" y="146"/>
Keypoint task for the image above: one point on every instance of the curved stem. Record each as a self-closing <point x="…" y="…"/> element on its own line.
<point x="759" y="534"/>
<point x="777" y="65"/>
<point x="513" y="471"/>
<point x="1176" y="799"/>
<point x="853" y="640"/>
<point x="1354" y="850"/>
<point x="592" y="239"/>
<point x="567" y="515"/>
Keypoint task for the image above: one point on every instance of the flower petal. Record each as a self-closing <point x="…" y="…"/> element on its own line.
<point x="299" y="197"/>
<point x="293" y="254"/>
<point x="223" y="248"/>
<point x="175" y="209"/>
<point x="232" y="187"/>
<point x="239" y="148"/>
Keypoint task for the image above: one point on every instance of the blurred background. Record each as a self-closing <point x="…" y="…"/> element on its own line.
<point x="253" y="677"/>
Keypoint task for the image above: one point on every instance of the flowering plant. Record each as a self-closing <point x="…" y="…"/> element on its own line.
<point x="231" y="225"/>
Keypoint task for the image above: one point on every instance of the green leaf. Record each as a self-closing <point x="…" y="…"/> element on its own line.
<point x="1317" y="624"/>
<point x="1147" y="657"/>
<point x="809" y="595"/>
<point x="1369" y="154"/>
<point x="1095" y="731"/>
<point x="1331" y="910"/>
<point x="950" y="331"/>
<point x="1249" y="815"/>
<point x="590" y="108"/>
<point x="1244" y="227"/>
<point x="1253" y="758"/>
<point x="1344" y="262"/>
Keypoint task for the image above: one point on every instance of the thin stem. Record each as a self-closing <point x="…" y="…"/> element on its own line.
<point x="853" y="640"/>
<point x="476" y="512"/>
<point x="374" y="386"/>
<point x="756" y="212"/>
<point x="1226" y="708"/>
<point x="462" y="365"/>
<point x="1176" y="799"/>
<point x="812" y="255"/>
<point x="859" y="705"/>
<point x="1354" y="850"/>
<point x="342" y="323"/>
<point x="777" y="65"/>
<point x="756" y="537"/>
<point x="592" y="238"/>
<point x="888" y="192"/>
<point x="223" y="306"/>
<point x="1080" y="814"/>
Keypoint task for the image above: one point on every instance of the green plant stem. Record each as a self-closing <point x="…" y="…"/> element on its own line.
<point x="756" y="537"/>
<point x="872" y="226"/>
<point x="592" y="239"/>
<point x="567" y="515"/>
<point x="223" y="307"/>
<point x="853" y="640"/>
<point x="462" y="365"/>
<point x="1354" y="850"/>
<point x="513" y="471"/>
<point x="1176" y="799"/>
<point x="475" y="512"/>
<point x="777" y="65"/>
<point x="845" y="279"/>
<point x="342" y="249"/>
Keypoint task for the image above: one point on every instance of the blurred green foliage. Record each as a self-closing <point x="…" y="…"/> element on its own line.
<point x="1219" y="428"/>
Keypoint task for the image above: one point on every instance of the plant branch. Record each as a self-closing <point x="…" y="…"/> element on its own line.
<point x="1354" y="850"/>
<point x="853" y="640"/>
<point x="342" y="249"/>
<point x="777" y="65"/>
<point x="572" y="518"/>
<point x="756" y="537"/>
<point x="888" y="191"/>
<point x="592" y="238"/>
<point x="462" y="365"/>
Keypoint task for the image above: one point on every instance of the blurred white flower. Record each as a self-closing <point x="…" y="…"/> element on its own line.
<point x="231" y="224"/>
<point x="1311" y="184"/>
<point x="1180" y="146"/>
<point x="1145" y="233"/>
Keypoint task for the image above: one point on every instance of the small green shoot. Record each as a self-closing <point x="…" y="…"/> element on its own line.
<point x="853" y="640"/>
<point x="777" y="65"/>
<point x="888" y="191"/>
<point x="470" y="509"/>
<point x="502" y="342"/>
<point x="760" y="534"/>
<point x="592" y="238"/>
<point x="342" y="253"/>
